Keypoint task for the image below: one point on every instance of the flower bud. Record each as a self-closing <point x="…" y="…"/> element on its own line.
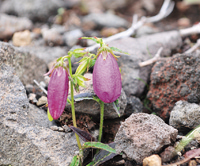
<point x="107" y="78"/>
<point x="57" y="92"/>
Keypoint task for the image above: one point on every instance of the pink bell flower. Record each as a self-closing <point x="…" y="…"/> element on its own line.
<point x="107" y="78"/>
<point x="57" y="92"/>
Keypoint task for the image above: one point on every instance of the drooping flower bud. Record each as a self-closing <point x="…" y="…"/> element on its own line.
<point x="107" y="78"/>
<point x="57" y="92"/>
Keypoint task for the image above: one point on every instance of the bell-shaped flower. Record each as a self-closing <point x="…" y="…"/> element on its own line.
<point x="107" y="78"/>
<point x="58" y="91"/>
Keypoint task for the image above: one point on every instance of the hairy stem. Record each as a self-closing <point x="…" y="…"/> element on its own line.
<point x="72" y="104"/>
<point x="101" y="119"/>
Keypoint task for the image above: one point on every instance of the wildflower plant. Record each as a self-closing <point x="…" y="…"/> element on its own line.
<point x="106" y="84"/>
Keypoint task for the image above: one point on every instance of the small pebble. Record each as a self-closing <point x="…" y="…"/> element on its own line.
<point x="153" y="160"/>
<point x="56" y="128"/>
<point x="42" y="100"/>
<point x="192" y="163"/>
<point x="66" y="128"/>
<point x="22" y="38"/>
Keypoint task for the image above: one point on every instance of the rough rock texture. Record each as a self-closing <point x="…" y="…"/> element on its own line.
<point x="25" y="135"/>
<point x="91" y="107"/>
<point x="142" y="135"/>
<point x="172" y="80"/>
<point x="11" y="24"/>
<point x="141" y="49"/>
<point x="27" y="66"/>
<point x="185" y="115"/>
<point x="32" y="9"/>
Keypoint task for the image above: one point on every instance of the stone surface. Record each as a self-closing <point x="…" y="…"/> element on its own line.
<point x="105" y="20"/>
<point x="47" y="54"/>
<point x="32" y="9"/>
<point x="153" y="160"/>
<point x="185" y="115"/>
<point x="134" y="105"/>
<point x="172" y="80"/>
<point x="11" y="24"/>
<point x="26" y="138"/>
<point x="142" y="135"/>
<point x="27" y="66"/>
<point x="141" y="49"/>
<point x="168" y="154"/>
<point x="91" y="107"/>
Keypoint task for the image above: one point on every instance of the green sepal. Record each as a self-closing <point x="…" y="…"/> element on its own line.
<point x="97" y="40"/>
<point x="116" y="107"/>
<point x="118" y="50"/>
<point x="49" y="115"/>
<point x="98" y="145"/>
<point x="75" y="161"/>
<point x="77" y="52"/>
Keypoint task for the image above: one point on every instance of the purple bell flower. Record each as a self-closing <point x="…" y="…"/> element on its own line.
<point x="57" y="92"/>
<point x="107" y="78"/>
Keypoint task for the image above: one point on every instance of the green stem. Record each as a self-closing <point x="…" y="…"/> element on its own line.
<point x="72" y="104"/>
<point x="101" y="119"/>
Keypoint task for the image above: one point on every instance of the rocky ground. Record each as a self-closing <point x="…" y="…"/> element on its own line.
<point x="160" y="99"/>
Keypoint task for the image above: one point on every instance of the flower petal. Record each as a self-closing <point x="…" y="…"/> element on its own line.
<point x="107" y="78"/>
<point x="58" y="92"/>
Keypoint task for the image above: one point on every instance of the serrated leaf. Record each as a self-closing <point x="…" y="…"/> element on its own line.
<point x="98" y="145"/>
<point x="116" y="108"/>
<point x="75" y="161"/>
<point x="118" y="50"/>
<point x="102" y="156"/>
<point x="49" y="115"/>
<point x="85" y="136"/>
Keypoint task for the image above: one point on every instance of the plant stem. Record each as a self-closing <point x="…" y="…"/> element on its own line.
<point x="101" y="119"/>
<point x="72" y="103"/>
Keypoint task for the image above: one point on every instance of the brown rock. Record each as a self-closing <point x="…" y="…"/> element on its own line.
<point x="172" y="80"/>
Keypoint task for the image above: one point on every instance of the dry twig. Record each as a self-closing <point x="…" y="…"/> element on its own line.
<point x="165" y="10"/>
<point x="154" y="59"/>
<point x="44" y="90"/>
<point x="194" y="47"/>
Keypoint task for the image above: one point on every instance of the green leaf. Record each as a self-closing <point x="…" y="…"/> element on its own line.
<point x="188" y="138"/>
<point x="49" y="115"/>
<point x="102" y="156"/>
<point x="75" y="161"/>
<point x="98" y="145"/>
<point x="118" y="50"/>
<point x="92" y="62"/>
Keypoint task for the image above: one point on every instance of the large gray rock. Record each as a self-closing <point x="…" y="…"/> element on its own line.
<point x="11" y="24"/>
<point x="32" y="9"/>
<point x="24" y="130"/>
<point x="141" y="49"/>
<point x="105" y="20"/>
<point x="27" y="66"/>
<point x="46" y="53"/>
<point x="185" y="115"/>
<point x="142" y="135"/>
